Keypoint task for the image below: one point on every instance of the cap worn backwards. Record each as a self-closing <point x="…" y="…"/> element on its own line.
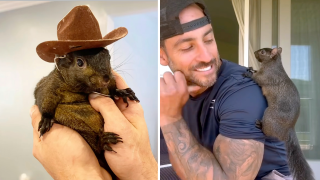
<point x="169" y="17"/>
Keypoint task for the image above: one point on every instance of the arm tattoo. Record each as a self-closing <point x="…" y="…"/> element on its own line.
<point x="196" y="161"/>
<point x="239" y="158"/>
<point x="231" y="158"/>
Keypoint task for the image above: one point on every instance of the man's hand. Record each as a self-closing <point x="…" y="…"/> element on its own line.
<point x="64" y="153"/>
<point x="134" y="158"/>
<point x="173" y="96"/>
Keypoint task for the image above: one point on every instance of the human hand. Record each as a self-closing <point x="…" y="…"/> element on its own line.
<point x="173" y="96"/>
<point x="134" y="158"/>
<point x="64" y="153"/>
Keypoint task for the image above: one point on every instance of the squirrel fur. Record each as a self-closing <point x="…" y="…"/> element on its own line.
<point x="283" y="109"/>
<point x="62" y="97"/>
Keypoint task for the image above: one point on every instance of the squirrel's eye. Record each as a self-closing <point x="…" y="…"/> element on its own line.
<point x="263" y="52"/>
<point x="80" y="62"/>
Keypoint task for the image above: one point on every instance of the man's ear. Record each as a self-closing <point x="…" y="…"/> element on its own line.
<point x="163" y="57"/>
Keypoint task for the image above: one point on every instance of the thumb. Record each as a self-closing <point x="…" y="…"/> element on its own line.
<point x="113" y="118"/>
<point x="35" y="118"/>
<point x="121" y="84"/>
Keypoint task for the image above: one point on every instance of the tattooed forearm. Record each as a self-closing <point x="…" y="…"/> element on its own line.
<point x="239" y="159"/>
<point x="195" y="160"/>
<point x="234" y="159"/>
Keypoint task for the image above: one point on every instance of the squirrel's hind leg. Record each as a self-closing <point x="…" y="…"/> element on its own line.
<point x="107" y="138"/>
<point x="45" y="124"/>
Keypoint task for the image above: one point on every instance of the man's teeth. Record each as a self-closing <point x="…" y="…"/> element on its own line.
<point x="204" y="69"/>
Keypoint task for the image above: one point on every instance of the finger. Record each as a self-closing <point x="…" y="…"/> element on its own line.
<point x="36" y="141"/>
<point x="121" y="84"/>
<point x="130" y="106"/>
<point x="182" y="84"/>
<point x="169" y="78"/>
<point x="35" y="116"/>
<point x="32" y="109"/>
<point x="180" y="78"/>
<point x="133" y="110"/>
<point x="162" y="85"/>
<point x="106" y="175"/>
<point x="114" y="119"/>
<point x="133" y="105"/>
<point x="124" y="107"/>
<point x="164" y="90"/>
<point x="36" y="138"/>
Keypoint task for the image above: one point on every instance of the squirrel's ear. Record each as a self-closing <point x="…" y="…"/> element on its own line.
<point x="64" y="62"/>
<point x="279" y="50"/>
<point x="274" y="52"/>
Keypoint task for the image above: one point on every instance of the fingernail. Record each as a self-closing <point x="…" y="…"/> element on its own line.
<point x="93" y="96"/>
<point x="116" y="97"/>
<point x="33" y="108"/>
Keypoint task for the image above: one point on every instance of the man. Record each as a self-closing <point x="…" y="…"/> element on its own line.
<point x="208" y="109"/>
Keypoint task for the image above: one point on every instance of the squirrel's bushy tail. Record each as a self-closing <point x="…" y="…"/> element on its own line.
<point x="298" y="165"/>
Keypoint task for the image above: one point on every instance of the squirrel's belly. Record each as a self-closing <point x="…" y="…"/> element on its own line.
<point x="79" y="116"/>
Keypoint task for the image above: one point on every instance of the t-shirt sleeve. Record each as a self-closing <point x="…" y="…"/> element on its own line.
<point x="239" y="110"/>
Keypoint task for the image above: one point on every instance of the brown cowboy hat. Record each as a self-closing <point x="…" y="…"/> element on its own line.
<point x="78" y="30"/>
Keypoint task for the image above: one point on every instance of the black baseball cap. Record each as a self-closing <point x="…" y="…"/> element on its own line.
<point x="169" y="17"/>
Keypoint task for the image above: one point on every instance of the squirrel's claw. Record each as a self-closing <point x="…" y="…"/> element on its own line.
<point x="249" y="72"/>
<point x="107" y="138"/>
<point x="126" y="93"/>
<point x="45" y="125"/>
<point x="259" y="124"/>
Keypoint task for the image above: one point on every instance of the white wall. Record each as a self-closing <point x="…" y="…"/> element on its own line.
<point x="23" y="29"/>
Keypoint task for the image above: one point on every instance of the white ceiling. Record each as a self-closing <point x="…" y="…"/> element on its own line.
<point x="11" y="5"/>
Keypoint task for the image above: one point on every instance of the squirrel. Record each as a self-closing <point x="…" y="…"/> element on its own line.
<point x="283" y="108"/>
<point x="62" y="97"/>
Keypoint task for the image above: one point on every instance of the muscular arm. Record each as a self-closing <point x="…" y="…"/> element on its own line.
<point x="232" y="159"/>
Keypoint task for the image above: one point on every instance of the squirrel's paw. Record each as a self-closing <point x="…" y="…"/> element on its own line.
<point x="250" y="69"/>
<point x="247" y="74"/>
<point x="108" y="138"/>
<point x="45" y="125"/>
<point x="259" y="124"/>
<point x="126" y="93"/>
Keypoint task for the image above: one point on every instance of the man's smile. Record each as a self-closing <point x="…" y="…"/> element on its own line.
<point x="204" y="69"/>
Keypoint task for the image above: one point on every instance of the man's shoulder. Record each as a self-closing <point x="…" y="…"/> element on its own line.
<point x="231" y="80"/>
<point x="235" y="90"/>
<point x="231" y="69"/>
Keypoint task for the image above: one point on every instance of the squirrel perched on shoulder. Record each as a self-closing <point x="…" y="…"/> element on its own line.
<point x="62" y="97"/>
<point x="283" y="108"/>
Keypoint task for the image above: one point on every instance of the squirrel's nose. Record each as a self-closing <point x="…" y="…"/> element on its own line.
<point x="106" y="80"/>
<point x="105" y="83"/>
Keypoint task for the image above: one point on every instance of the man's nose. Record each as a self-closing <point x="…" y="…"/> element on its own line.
<point x="204" y="54"/>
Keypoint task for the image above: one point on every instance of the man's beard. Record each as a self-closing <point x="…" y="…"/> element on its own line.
<point x="191" y="77"/>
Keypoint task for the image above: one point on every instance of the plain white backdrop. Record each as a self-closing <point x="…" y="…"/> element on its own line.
<point x="21" y="30"/>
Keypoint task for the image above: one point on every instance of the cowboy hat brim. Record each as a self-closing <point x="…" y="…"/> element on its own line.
<point x="48" y="49"/>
